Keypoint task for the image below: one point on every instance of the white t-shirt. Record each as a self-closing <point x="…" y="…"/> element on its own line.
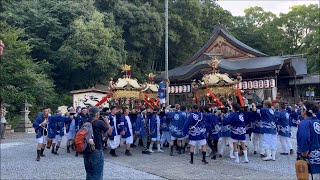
<point x="129" y="124"/>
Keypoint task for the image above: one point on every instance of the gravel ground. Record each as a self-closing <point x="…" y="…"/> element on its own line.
<point x="18" y="162"/>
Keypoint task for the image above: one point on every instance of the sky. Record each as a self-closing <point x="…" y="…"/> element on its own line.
<point x="275" y="6"/>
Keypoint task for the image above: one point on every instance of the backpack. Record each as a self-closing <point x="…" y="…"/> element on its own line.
<point x="82" y="137"/>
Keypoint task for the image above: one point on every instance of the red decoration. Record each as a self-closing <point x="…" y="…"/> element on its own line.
<point x="103" y="100"/>
<point x="148" y="104"/>
<point x="215" y="98"/>
<point x="240" y="97"/>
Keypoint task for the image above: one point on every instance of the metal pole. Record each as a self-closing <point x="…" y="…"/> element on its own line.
<point x="166" y="51"/>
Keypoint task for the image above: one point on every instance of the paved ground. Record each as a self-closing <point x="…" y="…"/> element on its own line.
<point x="18" y="162"/>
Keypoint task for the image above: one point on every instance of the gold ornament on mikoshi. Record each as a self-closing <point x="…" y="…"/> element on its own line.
<point x="214" y="64"/>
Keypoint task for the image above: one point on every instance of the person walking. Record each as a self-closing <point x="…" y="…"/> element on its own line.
<point x="94" y="161"/>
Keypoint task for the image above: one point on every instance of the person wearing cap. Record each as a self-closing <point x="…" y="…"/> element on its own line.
<point x="283" y="127"/>
<point x="114" y="138"/>
<point x="142" y="129"/>
<point x="59" y="129"/>
<point x="126" y="130"/>
<point x="155" y="127"/>
<point x="268" y="128"/>
<point x="177" y="120"/>
<point x="94" y="160"/>
<point x="238" y="132"/>
<point x="195" y="127"/>
<point x="71" y="125"/>
<point x="308" y="139"/>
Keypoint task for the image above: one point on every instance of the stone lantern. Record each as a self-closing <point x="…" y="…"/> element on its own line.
<point x="3" y="117"/>
<point x="25" y="124"/>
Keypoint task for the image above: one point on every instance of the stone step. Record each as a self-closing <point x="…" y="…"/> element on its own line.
<point x="9" y="131"/>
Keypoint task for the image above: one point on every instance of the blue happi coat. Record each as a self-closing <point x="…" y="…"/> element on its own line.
<point x="153" y="126"/>
<point x="81" y="119"/>
<point x="51" y="125"/>
<point x="60" y="128"/>
<point x="248" y="118"/>
<point x="237" y="126"/>
<point x="318" y="114"/>
<point x="161" y="93"/>
<point x="177" y="120"/>
<point x="115" y="126"/>
<point x="283" y="119"/>
<point x="140" y="124"/>
<point x="293" y="119"/>
<point x="308" y="139"/>
<point x="268" y="121"/>
<point x="69" y="121"/>
<point x="124" y="126"/>
<point x="213" y="126"/>
<point x="255" y="122"/>
<point x="225" y="128"/>
<point x="195" y="127"/>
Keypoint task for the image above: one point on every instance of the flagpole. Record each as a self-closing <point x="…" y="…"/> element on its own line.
<point x="166" y="51"/>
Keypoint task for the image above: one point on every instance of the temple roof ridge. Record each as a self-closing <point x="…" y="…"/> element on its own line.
<point x="221" y="30"/>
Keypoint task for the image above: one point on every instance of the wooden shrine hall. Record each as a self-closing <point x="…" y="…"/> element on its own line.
<point x="263" y="76"/>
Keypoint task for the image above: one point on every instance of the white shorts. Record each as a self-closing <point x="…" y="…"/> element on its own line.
<point x="71" y="134"/>
<point x="129" y="140"/>
<point x="163" y="101"/>
<point x="115" y="142"/>
<point x="165" y="137"/>
<point x="237" y="141"/>
<point x="42" y="140"/>
<point x="58" y="138"/>
<point x="174" y="138"/>
<point x="201" y="142"/>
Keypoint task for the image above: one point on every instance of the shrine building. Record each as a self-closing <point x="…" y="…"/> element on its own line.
<point x="263" y="76"/>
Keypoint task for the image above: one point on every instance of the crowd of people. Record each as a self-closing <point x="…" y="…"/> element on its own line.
<point x="197" y="127"/>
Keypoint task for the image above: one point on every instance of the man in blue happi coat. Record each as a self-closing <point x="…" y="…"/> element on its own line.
<point x="308" y="139"/>
<point x="195" y="128"/>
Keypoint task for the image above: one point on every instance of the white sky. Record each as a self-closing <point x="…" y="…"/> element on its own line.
<point x="275" y="6"/>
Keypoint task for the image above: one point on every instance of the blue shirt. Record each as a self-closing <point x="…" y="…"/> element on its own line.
<point x="195" y="126"/>
<point x="293" y="119"/>
<point x="177" y="120"/>
<point x="225" y="128"/>
<point x="213" y="126"/>
<point x="308" y="139"/>
<point x="237" y="126"/>
<point x="283" y="123"/>
<point x="161" y="93"/>
<point x="267" y="124"/>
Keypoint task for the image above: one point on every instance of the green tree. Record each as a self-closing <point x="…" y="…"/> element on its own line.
<point x="20" y="77"/>
<point x="91" y="54"/>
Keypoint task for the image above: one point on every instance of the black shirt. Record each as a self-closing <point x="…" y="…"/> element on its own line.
<point x="99" y="128"/>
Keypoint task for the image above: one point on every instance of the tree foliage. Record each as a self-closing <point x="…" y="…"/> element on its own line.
<point x="55" y="46"/>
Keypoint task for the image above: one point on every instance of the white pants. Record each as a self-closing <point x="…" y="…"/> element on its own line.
<point x="269" y="142"/>
<point x="58" y="138"/>
<point x="224" y="141"/>
<point x="257" y="142"/>
<point x="247" y="142"/>
<point x="129" y="140"/>
<point x="115" y="142"/>
<point x="314" y="176"/>
<point x="285" y="144"/>
<point x="165" y="137"/>
<point x="179" y="139"/>
<point x="294" y="132"/>
<point x="42" y="140"/>
<point x="201" y="142"/>
<point x="162" y="101"/>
